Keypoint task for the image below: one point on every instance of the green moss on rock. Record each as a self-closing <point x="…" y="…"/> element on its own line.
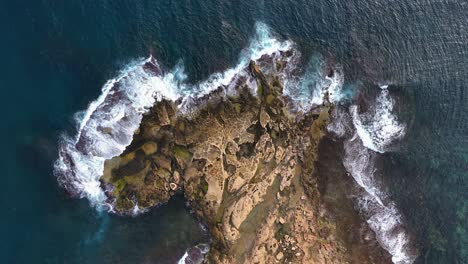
<point x="182" y="155"/>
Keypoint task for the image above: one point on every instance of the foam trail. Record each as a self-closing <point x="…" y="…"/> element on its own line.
<point x="368" y="133"/>
<point x="382" y="215"/>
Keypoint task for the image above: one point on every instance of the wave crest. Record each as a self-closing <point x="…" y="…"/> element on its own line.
<point x="379" y="128"/>
<point x="107" y="126"/>
<point x="309" y="89"/>
<point x="365" y="135"/>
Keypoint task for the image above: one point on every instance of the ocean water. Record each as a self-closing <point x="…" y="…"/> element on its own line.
<point x="404" y="104"/>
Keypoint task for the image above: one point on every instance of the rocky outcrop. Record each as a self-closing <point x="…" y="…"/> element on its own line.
<point x="246" y="165"/>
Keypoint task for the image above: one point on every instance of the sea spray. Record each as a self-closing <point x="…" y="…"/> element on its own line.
<point x="107" y="126"/>
<point x="262" y="44"/>
<point x="380" y="212"/>
<point x="379" y="128"/>
<point x="195" y="255"/>
<point x="365" y="136"/>
<point x="308" y="89"/>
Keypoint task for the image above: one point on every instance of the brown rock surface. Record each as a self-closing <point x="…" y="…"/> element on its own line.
<point x="247" y="167"/>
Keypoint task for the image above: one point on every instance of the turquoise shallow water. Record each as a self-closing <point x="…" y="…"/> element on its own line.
<point x="57" y="55"/>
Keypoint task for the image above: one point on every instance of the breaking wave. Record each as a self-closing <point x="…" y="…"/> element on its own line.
<point x="262" y="44"/>
<point x="309" y="88"/>
<point x="195" y="255"/>
<point x="379" y="128"/>
<point x="382" y="215"/>
<point x="107" y="126"/>
<point x="365" y="136"/>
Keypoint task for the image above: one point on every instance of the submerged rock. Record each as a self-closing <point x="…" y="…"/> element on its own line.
<point x="245" y="164"/>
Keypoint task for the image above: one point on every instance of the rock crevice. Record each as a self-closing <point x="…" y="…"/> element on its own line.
<point x="246" y="165"/>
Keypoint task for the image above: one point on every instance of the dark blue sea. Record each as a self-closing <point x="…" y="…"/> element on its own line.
<point x="57" y="55"/>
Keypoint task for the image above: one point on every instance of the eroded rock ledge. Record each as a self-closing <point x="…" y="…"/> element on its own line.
<point x="245" y="163"/>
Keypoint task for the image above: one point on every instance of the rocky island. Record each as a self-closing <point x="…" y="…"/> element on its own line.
<point x="246" y="163"/>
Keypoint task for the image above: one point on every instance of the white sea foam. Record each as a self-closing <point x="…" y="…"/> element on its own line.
<point x="382" y="215"/>
<point x="262" y="44"/>
<point x="183" y="258"/>
<point x="196" y="256"/>
<point x="310" y="88"/>
<point x="365" y="134"/>
<point x="107" y="126"/>
<point x="378" y="128"/>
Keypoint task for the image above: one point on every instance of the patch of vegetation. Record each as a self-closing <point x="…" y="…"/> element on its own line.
<point x="283" y="229"/>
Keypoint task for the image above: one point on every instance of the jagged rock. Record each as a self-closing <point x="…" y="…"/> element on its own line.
<point x="281" y="220"/>
<point x="245" y="165"/>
